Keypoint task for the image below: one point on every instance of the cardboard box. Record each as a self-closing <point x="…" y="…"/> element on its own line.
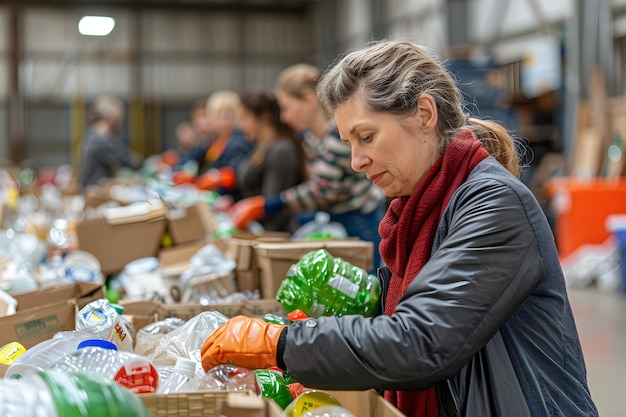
<point x="42" y="313"/>
<point x="188" y="224"/>
<point x="35" y="325"/>
<point x="82" y="292"/>
<point x="275" y="259"/>
<point x="117" y="245"/>
<point x="175" y="260"/>
<point x="359" y="403"/>
<point x="238" y="404"/>
<point x="240" y="248"/>
<point x="143" y="313"/>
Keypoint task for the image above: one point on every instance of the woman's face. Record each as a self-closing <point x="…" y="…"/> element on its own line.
<point x="296" y="112"/>
<point x="394" y="151"/>
<point x="248" y="123"/>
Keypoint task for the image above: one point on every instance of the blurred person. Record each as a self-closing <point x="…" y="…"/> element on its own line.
<point x="333" y="186"/>
<point x="229" y="147"/>
<point x="475" y="318"/>
<point x="186" y="137"/>
<point x="276" y="163"/>
<point x="203" y="133"/>
<point x="104" y="151"/>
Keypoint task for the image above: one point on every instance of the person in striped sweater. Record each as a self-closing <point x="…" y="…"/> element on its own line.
<point x="333" y="186"/>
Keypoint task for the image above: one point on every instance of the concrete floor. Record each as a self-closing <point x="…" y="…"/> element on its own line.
<point x="601" y="321"/>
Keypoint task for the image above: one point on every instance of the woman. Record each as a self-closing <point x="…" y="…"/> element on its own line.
<point x="276" y="163"/>
<point x="476" y="316"/>
<point x="333" y="186"/>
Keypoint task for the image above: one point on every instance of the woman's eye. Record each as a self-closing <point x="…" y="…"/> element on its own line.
<point x="366" y="139"/>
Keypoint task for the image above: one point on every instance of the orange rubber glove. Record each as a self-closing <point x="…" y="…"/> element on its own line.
<point x="217" y="178"/>
<point x="182" y="177"/>
<point x="242" y="341"/>
<point x="247" y="210"/>
<point x="170" y="157"/>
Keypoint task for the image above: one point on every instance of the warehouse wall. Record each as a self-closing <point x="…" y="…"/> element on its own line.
<point x="163" y="59"/>
<point x="168" y="58"/>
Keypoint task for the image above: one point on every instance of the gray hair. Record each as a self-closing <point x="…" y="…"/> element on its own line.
<point x="392" y="75"/>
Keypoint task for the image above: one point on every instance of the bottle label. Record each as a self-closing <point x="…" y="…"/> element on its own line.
<point x="10" y="352"/>
<point x="139" y="376"/>
<point x="344" y="285"/>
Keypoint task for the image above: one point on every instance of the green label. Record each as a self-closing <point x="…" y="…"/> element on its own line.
<point x="37" y="328"/>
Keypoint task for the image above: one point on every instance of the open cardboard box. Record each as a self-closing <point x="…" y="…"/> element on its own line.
<point x="188" y="224"/>
<point x="360" y="403"/>
<point x="42" y="313"/>
<point x="275" y="258"/>
<point x="240" y="248"/>
<point x="117" y="245"/>
<point x="236" y="404"/>
<point x="143" y="313"/>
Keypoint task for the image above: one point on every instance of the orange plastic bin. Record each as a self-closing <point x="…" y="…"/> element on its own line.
<point x="581" y="208"/>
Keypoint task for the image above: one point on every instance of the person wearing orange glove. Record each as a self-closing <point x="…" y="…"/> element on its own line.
<point x="243" y="341"/>
<point x="332" y="185"/>
<point x="475" y="316"/>
<point x="277" y="163"/>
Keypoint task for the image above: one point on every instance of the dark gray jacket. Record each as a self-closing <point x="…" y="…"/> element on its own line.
<point x="102" y="156"/>
<point x="494" y="271"/>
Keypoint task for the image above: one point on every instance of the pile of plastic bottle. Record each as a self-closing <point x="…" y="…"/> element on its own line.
<point x="102" y="367"/>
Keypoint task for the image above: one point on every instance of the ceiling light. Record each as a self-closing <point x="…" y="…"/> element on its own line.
<point x="96" y="25"/>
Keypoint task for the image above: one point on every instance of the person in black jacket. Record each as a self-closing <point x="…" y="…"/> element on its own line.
<point x="475" y="319"/>
<point x="104" y="151"/>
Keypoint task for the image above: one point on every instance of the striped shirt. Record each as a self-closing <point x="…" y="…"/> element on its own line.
<point x="332" y="185"/>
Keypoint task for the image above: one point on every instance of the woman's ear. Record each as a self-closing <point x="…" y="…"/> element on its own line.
<point x="427" y="112"/>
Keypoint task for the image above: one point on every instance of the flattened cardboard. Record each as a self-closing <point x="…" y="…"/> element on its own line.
<point x="117" y="245"/>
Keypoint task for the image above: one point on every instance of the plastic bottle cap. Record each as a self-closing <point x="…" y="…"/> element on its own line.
<point x="118" y="308"/>
<point x="185" y="366"/>
<point x="101" y="343"/>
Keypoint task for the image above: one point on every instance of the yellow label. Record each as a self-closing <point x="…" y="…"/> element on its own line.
<point x="10" y="352"/>
<point x="310" y="400"/>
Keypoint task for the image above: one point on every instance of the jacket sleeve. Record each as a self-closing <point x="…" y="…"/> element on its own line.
<point x="485" y="265"/>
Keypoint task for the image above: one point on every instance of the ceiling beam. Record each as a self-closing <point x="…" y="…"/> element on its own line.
<point x="240" y="6"/>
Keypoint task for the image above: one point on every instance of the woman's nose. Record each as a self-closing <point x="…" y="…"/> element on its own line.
<point x="359" y="160"/>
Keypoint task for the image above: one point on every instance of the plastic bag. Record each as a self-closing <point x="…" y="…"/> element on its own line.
<point x="149" y="337"/>
<point x="322" y="285"/>
<point x="186" y="341"/>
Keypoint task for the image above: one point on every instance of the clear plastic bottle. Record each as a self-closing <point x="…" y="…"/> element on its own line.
<point x="133" y="371"/>
<point x="61" y="394"/>
<point x="181" y="379"/>
<point x="320" y="228"/>
<point x="44" y="354"/>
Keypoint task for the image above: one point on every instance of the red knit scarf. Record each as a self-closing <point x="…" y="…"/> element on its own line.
<point x="408" y="231"/>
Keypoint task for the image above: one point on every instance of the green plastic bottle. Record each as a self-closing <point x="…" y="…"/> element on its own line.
<point x="272" y="385"/>
<point x="322" y="285"/>
<point x="64" y="394"/>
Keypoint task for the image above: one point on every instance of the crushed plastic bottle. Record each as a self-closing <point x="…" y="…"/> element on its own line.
<point x="101" y="321"/>
<point x="322" y="285"/>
